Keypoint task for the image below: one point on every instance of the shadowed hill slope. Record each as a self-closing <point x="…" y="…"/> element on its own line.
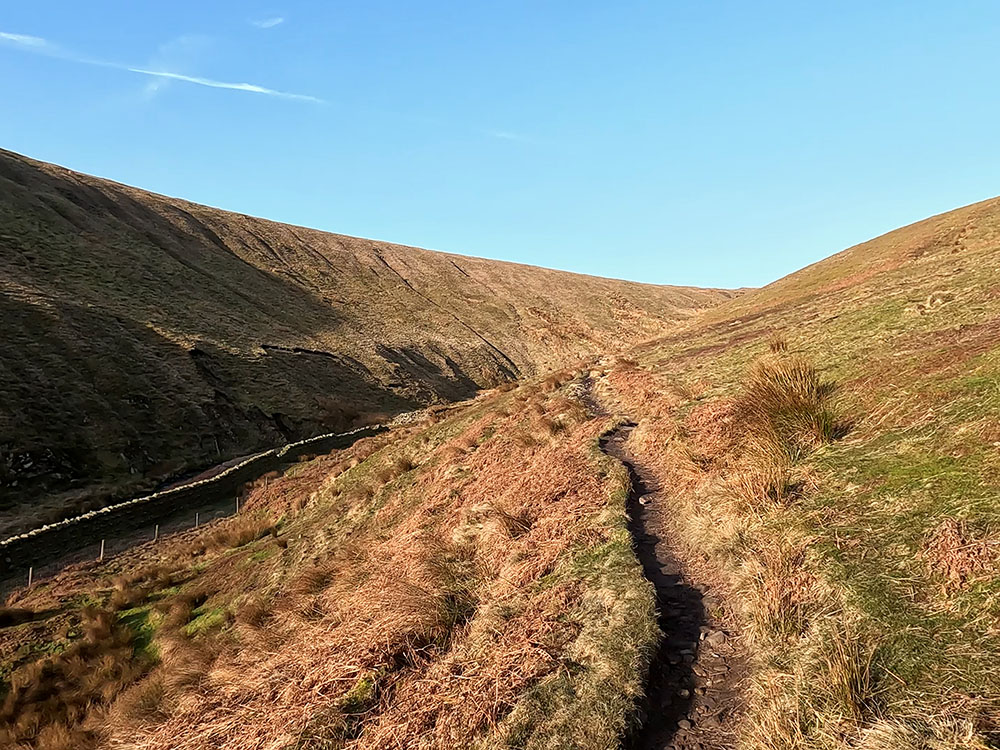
<point x="144" y="335"/>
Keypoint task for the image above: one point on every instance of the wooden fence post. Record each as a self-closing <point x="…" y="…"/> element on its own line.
<point x="156" y="532"/>
<point x="101" y="557"/>
<point x="31" y="575"/>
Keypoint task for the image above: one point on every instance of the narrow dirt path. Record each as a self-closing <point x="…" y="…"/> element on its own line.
<point x="694" y="688"/>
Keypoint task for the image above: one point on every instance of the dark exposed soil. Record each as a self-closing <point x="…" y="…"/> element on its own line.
<point x="693" y="692"/>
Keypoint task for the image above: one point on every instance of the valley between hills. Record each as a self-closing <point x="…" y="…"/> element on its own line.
<point x="614" y="515"/>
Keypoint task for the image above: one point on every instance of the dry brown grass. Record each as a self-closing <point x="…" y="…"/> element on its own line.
<point x="684" y="390"/>
<point x="230" y="533"/>
<point x="513" y="525"/>
<point x="254" y="612"/>
<point x="569" y="410"/>
<point x="626" y="364"/>
<point x="48" y="702"/>
<point x="525" y="439"/>
<point x="143" y="703"/>
<point x="548" y="427"/>
<point x="556" y="380"/>
<point x="432" y="611"/>
<point x="311" y="580"/>
<point x="957" y="557"/>
<point x="726" y="462"/>
<point x="851" y="673"/>
<point x="777" y="344"/>
<point x="937" y="733"/>
<point x="785" y="595"/>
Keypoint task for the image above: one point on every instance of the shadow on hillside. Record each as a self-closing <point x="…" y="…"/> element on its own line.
<point x="96" y="407"/>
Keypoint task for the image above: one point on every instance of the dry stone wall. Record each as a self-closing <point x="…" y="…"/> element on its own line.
<point x="47" y="543"/>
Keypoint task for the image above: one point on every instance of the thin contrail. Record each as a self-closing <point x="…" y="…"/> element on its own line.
<point x="39" y="46"/>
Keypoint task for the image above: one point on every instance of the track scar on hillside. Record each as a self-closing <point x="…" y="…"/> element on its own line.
<point x="693" y="691"/>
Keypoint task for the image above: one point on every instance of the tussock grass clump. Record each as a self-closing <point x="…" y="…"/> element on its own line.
<point x="142" y="703"/>
<point x="556" y="380"/>
<point x="852" y="674"/>
<point x="833" y="691"/>
<point x="404" y="464"/>
<point x="549" y="427"/>
<point x="513" y="524"/>
<point x="396" y="468"/>
<point x="313" y="579"/>
<point x="360" y="494"/>
<point x="184" y="663"/>
<point x="777" y="344"/>
<point x="625" y="364"/>
<point x="536" y="408"/>
<point x="125" y="595"/>
<point x="524" y="439"/>
<point x="254" y="612"/>
<point x="230" y="533"/>
<point x="686" y="390"/>
<point x="782" y="415"/>
<point x="784" y="595"/>
<point x="178" y="611"/>
<point x="569" y="410"/>
<point x="466" y="442"/>
<point x="785" y="397"/>
<point x="240" y="531"/>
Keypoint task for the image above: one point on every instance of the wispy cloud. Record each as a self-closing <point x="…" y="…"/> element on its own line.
<point x="507" y="135"/>
<point x="38" y="45"/>
<point x="23" y="40"/>
<point x="251" y="87"/>
<point x="268" y="23"/>
<point x="177" y="55"/>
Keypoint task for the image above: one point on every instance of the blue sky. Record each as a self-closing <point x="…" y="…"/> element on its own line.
<point x="709" y="143"/>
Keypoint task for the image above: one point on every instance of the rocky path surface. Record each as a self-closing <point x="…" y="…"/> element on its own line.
<point x="694" y="689"/>
<point x="693" y="692"/>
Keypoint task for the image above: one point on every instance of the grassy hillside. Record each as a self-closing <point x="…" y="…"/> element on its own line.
<point x="467" y="581"/>
<point x="145" y="335"/>
<point x="824" y="460"/>
<point x="830" y="445"/>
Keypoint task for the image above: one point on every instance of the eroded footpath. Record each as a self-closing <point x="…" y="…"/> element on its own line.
<point x="694" y="692"/>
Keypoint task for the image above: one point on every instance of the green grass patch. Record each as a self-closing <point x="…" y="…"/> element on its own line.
<point x="205" y="619"/>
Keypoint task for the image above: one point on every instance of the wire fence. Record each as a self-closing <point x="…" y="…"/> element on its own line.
<point x="22" y="557"/>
